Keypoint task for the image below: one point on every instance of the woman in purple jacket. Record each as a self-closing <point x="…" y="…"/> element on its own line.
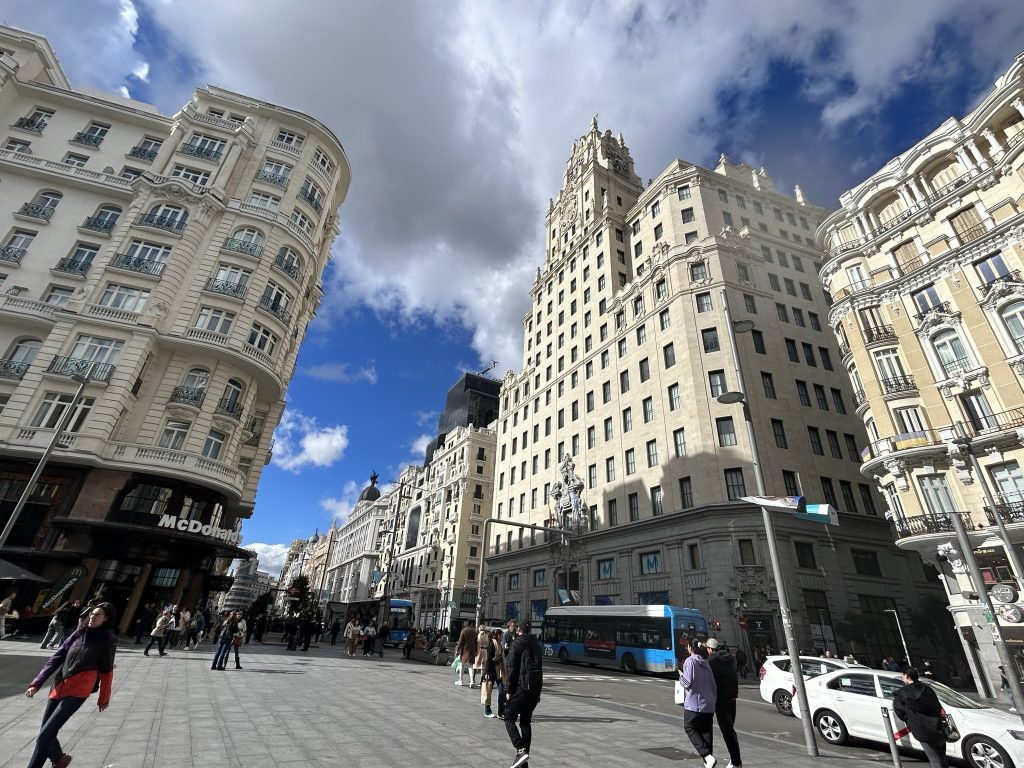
<point x="699" y="702"/>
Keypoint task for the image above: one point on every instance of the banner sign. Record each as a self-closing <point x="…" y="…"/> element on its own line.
<point x="819" y="513"/>
<point x="197" y="526"/>
<point x="63" y="585"/>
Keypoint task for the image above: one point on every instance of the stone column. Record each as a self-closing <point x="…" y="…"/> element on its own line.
<point x="993" y="143"/>
<point x="1019" y="105"/>
<point x="185" y="577"/>
<point x="965" y="162"/>
<point x="925" y="186"/>
<point x="905" y="197"/>
<point x="915" y="190"/>
<point x="128" y="616"/>
<point x="975" y="152"/>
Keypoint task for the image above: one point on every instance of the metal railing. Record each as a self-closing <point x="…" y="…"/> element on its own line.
<point x="226" y="287"/>
<point x="247" y="247"/>
<point x="157" y="221"/>
<point x="96" y="224"/>
<point x="311" y="199"/>
<point x="73" y="266"/>
<point x="69" y="366"/>
<point x="288" y="268"/>
<point x="9" y="369"/>
<point x="1009" y="277"/>
<point x="844" y="348"/>
<point x="28" y="124"/>
<point x="898" y="384"/>
<point x="1018" y="342"/>
<point x="859" y="398"/>
<point x="944" y="190"/>
<point x="931" y="523"/>
<point x="1009" y="511"/>
<point x="971" y="233"/>
<point x="230" y="408"/>
<point x="203" y="153"/>
<point x="36" y="211"/>
<point x="137" y="264"/>
<point x="958" y="366"/>
<point x="188" y="396"/>
<point x="11" y="254"/>
<point x="280" y="179"/>
<point x="88" y="139"/>
<point x="860" y="285"/>
<point x="942" y="307"/>
<point x="143" y="154"/>
<point x="996" y="422"/>
<point x="269" y="305"/>
<point x="875" y="333"/>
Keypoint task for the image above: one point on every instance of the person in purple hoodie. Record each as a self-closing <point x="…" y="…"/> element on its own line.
<point x="699" y="703"/>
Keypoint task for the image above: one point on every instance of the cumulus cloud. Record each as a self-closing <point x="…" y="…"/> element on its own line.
<point x="341" y="506"/>
<point x="419" y="446"/>
<point x="300" y="441"/>
<point x="341" y="373"/>
<point x="423" y="418"/>
<point x="272" y="556"/>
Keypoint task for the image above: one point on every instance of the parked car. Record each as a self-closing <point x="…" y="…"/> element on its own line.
<point x="848" y="704"/>
<point x="777" y="679"/>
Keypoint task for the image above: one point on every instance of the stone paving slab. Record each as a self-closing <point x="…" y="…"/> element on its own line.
<point x="324" y="708"/>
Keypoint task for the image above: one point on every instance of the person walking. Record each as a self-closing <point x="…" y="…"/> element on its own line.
<point x="741" y="663"/>
<point x="54" y="630"/>
<point x="727" y="689"/>
<point x="158" y="633"/>
<point x="917" y="705"/>
<point x="465" y="649"/>
<point x="505" y="644"/>
<point x="6" y="611"/>
<point x="699" y="703"/>
<point x="70" y="620"/>
<point x="525" y="670"/>
<point x="335" y="631"/>
<point x="493" y="671"/>
<point x="145" y="621"/>
<point x="383" y="635"/>
<point x="198" y="627"/>
<point x="409" y="644"/>
<point x="236" y="642"/>
<point x="227" y="637"/>
<point x="83" y="663"/>
<point x="480" y="662"/>
<point x="351" y="637"/>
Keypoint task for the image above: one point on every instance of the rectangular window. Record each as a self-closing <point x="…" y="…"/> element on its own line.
<point x="809" y="355"/>
<point x="819" y="395"/>
<point x="865" y="562"/>
<point x="782" y="312"/>
<point x="51" y="411"/>
<point x="665" y="320"/>
<point x="833" y="444"/>
<point x="790" y="483"/>
<point x="685" y="492"/>
<point x="709" y="337"/>
<point x="791" y="350"/>
<point x="613" y="512"/>
<point x="815" y="437"/>
<point x="699" y="271"/>
<point x="214" y="443"/>
<point x="216" y="320"/>
<point x="645" y="370"/>
<point x="648" y="404"/>
<point x="851" y="448"/>
<point x="609" y="469"/>
<point x="650" y="563"/>
<point x="194" y="175"/>
<point x="633" y="503"/>
<point x="262" y="339"/>
<point x="849" y="502"/>
<point x="726" y="431"/>
<point x="624" y="382"/>
<point x="679" y="441"/>
<point x="779" y="430"/>
<point x="669" y="355"/>
<point x="652" y="453"/>
<point x="768" y="382"/>
<point x="674" y="398"/>
<point x="758" y="339"/>
<point x="828" y="491"/>
<point x="734" y="485"/>
<point x="750" y="303"/>
<point x="803" y="394"/>
<point x="704" y="302"/>
<point x="867" y="499"/>
<point x="174" y="434"/>
<point x="805" y="555"/>
<point x="630" y="461"/>
<point x="837" y="401"/>
<point x="716" y="380"/>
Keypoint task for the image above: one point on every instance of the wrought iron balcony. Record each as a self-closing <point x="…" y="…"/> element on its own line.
<point x="860" y="285"/>
<point x="941" y="308"/>
<point x="36" y="211"/>
<point x="910" y="265"/>
<point x="273" y="307"/>
<point x="243" y="246"/>
<point x="226" y="287"/>
<point x="875" y="333"/>
<point x="931" y="523"/>
<point x="188" y="396"/>
<point x="1009" y="511"/>
<point x="11" y="254"/>
<point x="280" y="179"/>
<point x="288" y="267"/>
<point x="1009" y="277"/>
<point x="88" y="139"/>
<point x="230" y="408"/>
<point x="971" y="233"/>
<point x="844" y="348"/>
<point x="157" y="221"/>
<point x="956" y="367"/>
<point x="28" y="124"/>
<point x="1018" y="342"/>
<point x="96" y="224"/>
<point x="204" y="153"/>
<point x="944" y="190"/>
<point x="143" y="154"/>
<point x="310" y="198"/>
<point x="70" y="366"/>
<point x="73" y="266"/>
<point x="898" y="384"/>
<point x="137" y="264"/>
<point x="9" y="369"/>
<point x="996" y="422"/>
<point x="859" y="398"/>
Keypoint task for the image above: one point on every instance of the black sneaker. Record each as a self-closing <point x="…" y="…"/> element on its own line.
<point x="521" y="757"/>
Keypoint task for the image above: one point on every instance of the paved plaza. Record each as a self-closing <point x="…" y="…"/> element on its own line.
<point x="323" y="708"/>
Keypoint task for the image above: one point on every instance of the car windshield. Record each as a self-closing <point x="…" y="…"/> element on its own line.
<point x="952" y="698"/>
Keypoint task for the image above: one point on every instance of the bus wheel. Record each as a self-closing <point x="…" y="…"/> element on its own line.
<point x="629" y="663"/>
<point x="563" y="656"/>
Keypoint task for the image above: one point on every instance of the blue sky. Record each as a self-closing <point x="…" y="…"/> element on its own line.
<point x="458" y="119"/>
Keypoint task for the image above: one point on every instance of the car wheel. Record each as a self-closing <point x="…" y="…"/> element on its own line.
<point x="629" y="663"/>
<point x="982" y="752"/>
<point x="831" y="727"/>
<point x="563" y="655"/>
<point x="783" y="702"/>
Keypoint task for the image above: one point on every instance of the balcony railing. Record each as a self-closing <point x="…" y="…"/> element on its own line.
<point x="931" y="523"/>
<point x="1018" y="342"/>
<point x="88" y="139"/>
<point x="860" y="285"/>
<point x="1009" y="277"/>
<point x="910" y="265"/>
<point x="73" y="266"/>
<point x="11" y="254"/>
<point x="143" y="154"/>
<point x="247" y="247"/>
<point x="96" y="224"/>
<point x="269" y="305"/>
<point x="280" y="179"/>
<point x="188" y="396"/>
<point x="311" y="199"/>
<point x="288" y="267"/>
<point x="36" y="211"/>
<point x="158" y="221"/>
<point x="844" y="348"/>
<point x="944" y="190"/>
<point x="941" y="308"/>
<point x="69" y="366"/>
<point x="898" y="384"/>
<point x="28" y="124"/>
<point x="204" y="153"/>
<point x="9" y="369"/>
<point x="226" y="287"/>
<point x="875" y="333"/>
<point x="1009" y="511"/>
<point x="859" y="398"/>
<point x="137" y="264"/>
<point x="971" y="233"/>
<point x="230" y="408"/>
<point x="996" y="422"/>
<point x="956" y="367"/>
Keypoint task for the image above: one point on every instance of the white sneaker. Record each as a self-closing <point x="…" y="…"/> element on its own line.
<point x="710" y="761"/>
<point x="732" y="765"/>
<point x="459" y="682"/>
<point x="1013" y="711"/>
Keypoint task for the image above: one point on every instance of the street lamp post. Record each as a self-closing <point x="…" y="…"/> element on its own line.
<point x="899" y="626"/>
<point x="65" y="419"/>
<point x="745" y="326"/>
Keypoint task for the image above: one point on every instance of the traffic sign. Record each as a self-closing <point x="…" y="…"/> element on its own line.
<point x="743" y="622"/>
<point x="1004" y="593"/>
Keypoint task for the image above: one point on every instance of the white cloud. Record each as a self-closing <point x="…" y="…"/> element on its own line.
<point x="341" y="506"/>
<point x="425" y="417"/>
<point x="419" y="446"/>
<point x="272" y="556"/>
<point x="299" y="441"/>
<point x="341" y="373"/>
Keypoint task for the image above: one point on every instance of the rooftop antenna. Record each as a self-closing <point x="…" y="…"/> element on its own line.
<point x="491" y="367"/>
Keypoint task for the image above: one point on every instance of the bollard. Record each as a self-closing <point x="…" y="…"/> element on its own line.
<point x="891" y="737"/>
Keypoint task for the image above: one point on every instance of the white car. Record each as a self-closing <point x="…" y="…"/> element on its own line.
<point x="777" y="679"/>
<point x="848" y="703"/>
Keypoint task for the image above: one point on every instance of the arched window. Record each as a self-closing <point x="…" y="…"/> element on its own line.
<point x="248" y="235"/>
<point x="25" y="351"/>
<point x="289" y="262"/>
<point x="197" y="378"/>
<point x="166" y="215"/>
<point x="1013" y="318"/>
<point x="104" y="220"/>
<point x="48" y="199"/>
<point x="952" y="352"/>
<point x="231" y="402"/>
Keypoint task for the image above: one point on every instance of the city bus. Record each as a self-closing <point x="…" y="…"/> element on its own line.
<point x="636" y="638"/>
<point x="399" y="618"/>
<point x="400" y="621"/>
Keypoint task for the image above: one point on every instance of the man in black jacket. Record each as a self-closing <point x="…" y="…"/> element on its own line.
<point x="723" y="667"/>
<point x="917" y="705"/>
<point x="525" y="680"/>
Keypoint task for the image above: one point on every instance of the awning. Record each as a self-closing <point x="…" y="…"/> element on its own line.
<point x="12" y="572"/>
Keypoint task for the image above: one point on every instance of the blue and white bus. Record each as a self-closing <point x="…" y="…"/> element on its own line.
<point x="636" y="638"/>
<point x="400" y="621"/>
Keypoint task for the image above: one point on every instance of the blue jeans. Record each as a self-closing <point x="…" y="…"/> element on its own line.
<point x="501" y="699"/>
<point x="57" y="712"/>
<point x="220" y="658"/>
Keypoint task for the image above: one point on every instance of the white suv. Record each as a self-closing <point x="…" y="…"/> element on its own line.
<point x="777" y="679"/>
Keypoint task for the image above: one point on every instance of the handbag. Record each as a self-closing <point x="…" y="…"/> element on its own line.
<point x="948" y="727"/>
<point x="680" y="692"/>
<point x="236" y="640"/>
<point x="457" y="664"/>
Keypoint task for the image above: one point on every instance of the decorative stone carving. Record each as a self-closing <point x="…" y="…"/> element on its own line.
<point x="752" y="580"/>
<point x="936" y="320"/>
<point x="1018" y="367"/>
<point x="999" y="291"/>
<point x="1019" y="433"/>
<point x="953" y="557"/>
<point x="958" y="459"/>
<point x="898" y="469"/>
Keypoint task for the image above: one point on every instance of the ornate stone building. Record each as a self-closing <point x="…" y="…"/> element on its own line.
<point x="175" y="262"/>
<point x="924" y="265"/>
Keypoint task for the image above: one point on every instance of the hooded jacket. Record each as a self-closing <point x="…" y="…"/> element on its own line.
<point x="699" y="682"/>
<point x="83" y="663"/>
<point x="524" y="667"/>
<point x="723" y="667"/>
<point x="918" y="706"/>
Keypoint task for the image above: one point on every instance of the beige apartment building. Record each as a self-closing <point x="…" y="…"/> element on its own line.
<point x="174" y="263"/>
<point x="925" y="260"/>
<point x="626" y="348"/>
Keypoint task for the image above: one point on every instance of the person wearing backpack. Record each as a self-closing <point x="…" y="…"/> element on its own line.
<point x="525" y="672"/>
<point x="917" y="705"/>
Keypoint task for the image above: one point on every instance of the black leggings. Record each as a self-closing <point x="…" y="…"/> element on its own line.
<point x="520" y="706"/>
